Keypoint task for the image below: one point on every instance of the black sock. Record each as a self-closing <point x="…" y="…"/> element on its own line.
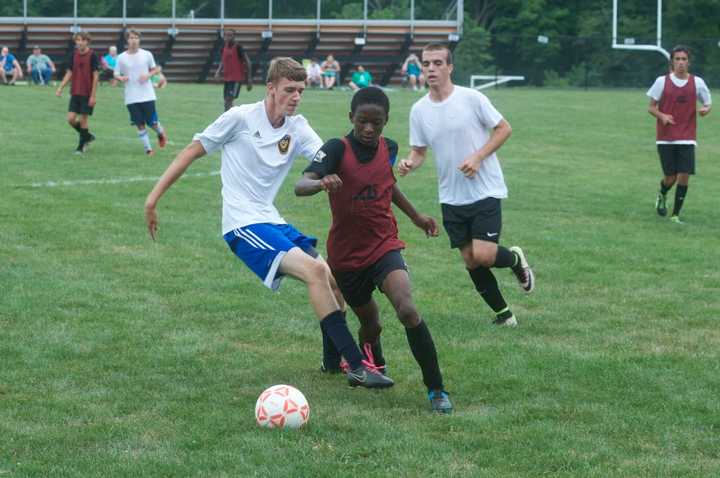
<point x="84" y="134"/>
<point x="423" y="349"/>
<point x="331" y="356"/>
<point x="335" y="326"/>
<point x="486" y="285"/>
<point x="76" y="127"/>
<point x="505" y="258"/>
<point x="680" y="193"/>
<point x="664" y="189"/>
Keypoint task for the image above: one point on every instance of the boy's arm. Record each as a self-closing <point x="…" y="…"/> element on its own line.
<point x="311" y="183"/>
<point x="176" y="169"/>
<point x="426" y="223"/>
<point x="66" y="78"/>
<point x="500" y="134"/>
<point x="219" y="68"/>
<point x="655" y="111"/>
<point x="96" y="77"/>
<point x="414" y="161"/>
<point x="249" y="71"/>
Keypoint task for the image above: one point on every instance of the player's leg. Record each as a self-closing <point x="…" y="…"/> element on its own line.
<point x="685" y="154"/>
<point x="396" y="286"/>
<point x="152" y="119"/>
<point x="666" y="153"/>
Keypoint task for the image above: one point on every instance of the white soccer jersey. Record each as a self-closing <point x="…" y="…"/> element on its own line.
<point x="133" y="66"/>
<point x="255" y="160"/>
<point x="703" y="95"/>
<point x="454" y="129"/>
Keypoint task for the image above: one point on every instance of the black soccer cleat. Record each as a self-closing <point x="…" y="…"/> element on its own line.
<point x="523" y="272"/>
<point x="440" y="401"/>
<point x="367" y="377"/>
<point x="660" y="205"/>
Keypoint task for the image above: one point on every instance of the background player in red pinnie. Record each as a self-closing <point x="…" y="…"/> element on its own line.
<point x="673" y="101"/>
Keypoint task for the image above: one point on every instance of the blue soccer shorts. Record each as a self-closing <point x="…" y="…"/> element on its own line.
<point x="262" y="247"/>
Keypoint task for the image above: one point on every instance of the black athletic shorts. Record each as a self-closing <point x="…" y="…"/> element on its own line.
<point x="143" y="113"/>
<point x="357" y="286"/>
<point x="79" y="105"/>
<point x="232" y="89"/>
<point x="677" y="158"/>
<point x="479" y="220"/>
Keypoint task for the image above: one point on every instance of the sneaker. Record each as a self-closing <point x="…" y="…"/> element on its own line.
<point x="523" y="272"/>
<point x="440" y="401"/>
<point x="370" y="357"/>
<point x="80" y="149"/>
<point x="150" y="152"/>
<point x="660" y="206"/>
<point x="162" y="140"/>
<point x="365" y="376"/>
<point x="676" y="219"/>
<point x="506" y="322"/>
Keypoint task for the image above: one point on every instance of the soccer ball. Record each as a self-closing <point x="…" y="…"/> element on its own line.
<point x="282" y="406"/>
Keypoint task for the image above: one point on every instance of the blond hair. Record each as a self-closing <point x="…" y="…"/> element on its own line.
<point x="440" y="47"/>
<point x="285" y="67"/>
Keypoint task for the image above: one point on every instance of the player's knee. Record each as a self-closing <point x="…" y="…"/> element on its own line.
<point x="316" y="272"/>
<point x="408" y="315"/>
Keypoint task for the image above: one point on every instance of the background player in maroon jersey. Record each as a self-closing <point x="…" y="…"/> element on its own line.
<point x="363" y="244"/>
<point x="236" y="67"/>
<point x="673" y="101"/>
<point x="84" y="71"/>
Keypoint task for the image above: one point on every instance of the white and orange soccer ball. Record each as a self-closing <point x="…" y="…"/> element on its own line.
<point x="282" y="406"/>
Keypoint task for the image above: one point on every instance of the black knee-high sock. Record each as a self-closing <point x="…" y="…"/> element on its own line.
<point x="505" y="258"/>
<point x="663" y="188"/>
<point x="76" y="127"/>
<point x="335" y="326"/>
<point x="331" y="356"/>
<point x="84" y="134"/>
<point x="680" y="193"/>
<point x="487" y="286"/>
<point x="423" y="349"/>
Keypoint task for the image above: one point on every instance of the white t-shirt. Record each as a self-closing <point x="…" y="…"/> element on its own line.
<point x="255" y="160"/>
<point x="314" y="70"/>
<point x="132" y="66"/>
<point x="703" y="94"/>
<point x="454" y="129"/>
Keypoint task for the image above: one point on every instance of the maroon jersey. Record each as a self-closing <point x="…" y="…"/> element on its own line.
<point x="82" y="67"/>
<point x="233" y="63"/>
<point x="681" y="104"/>
<point x="363" y="225"/>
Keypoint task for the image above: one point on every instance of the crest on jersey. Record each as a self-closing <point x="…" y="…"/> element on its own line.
<point x="284" y="144"/>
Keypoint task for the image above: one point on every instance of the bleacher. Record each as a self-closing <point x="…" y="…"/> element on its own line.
<point x="189" y="50"/>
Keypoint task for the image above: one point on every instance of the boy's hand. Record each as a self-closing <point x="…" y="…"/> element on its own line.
<point x="428" y="225"/>
<point x="331" y="183"/>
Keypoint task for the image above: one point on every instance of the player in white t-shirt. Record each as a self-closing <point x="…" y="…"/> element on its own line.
<point x="464" y="130"/>
<point x="259" y="143"/>
<point x="135" y="67"/>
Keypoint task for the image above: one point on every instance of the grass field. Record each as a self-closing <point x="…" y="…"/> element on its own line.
<point x="124" y="357"/>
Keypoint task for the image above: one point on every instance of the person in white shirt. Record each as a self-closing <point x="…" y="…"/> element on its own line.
<point x="259" y="143"/>
<point x="135" y="67"/>
<point x="673" y="101"/>
<point x="314" y="74"/>
<point x="465" y="130"/>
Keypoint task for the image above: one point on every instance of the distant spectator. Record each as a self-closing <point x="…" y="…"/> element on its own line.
<point x="412" y="70"/>
<point x="40" y="67"/>
<point x="330" y="71"/>
<point x="314" y="74"/>
<point x="361" y="78"/>
<point x="107" y="63"/>
<point x="236" y="67"/>
<point x="9" y="66"/>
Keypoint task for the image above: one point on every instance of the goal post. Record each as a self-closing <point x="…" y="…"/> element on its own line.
<point x="631" y="46"/>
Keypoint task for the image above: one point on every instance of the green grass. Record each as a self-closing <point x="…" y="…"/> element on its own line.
<point x="124" y="357"/>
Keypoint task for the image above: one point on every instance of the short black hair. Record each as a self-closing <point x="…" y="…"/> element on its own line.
<point x="370" y="95"/>
<point x="680" y="48"/>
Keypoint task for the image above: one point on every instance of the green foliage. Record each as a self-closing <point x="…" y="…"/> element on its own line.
<point x="472" y="56"/>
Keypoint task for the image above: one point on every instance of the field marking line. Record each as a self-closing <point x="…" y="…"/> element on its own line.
<point x="120" y="180"/>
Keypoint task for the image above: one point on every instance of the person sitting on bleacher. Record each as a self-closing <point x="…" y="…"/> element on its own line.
<point x="314" y="74"/>
<point x="361" y="78"/>
<point x="107" y="63"/>
<point x="40" y="67"/>
<point x="330" y="72"/>
<point x="412" y="71"/>
<point x="9" y="66"/>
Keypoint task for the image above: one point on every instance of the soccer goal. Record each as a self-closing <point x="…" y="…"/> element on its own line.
<point x="492" y="80"/>
<point x="629" y="43"/>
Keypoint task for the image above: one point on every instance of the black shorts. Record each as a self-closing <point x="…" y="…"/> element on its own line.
<point x="232" y="89"/>
<point x="79" y="105"/>
<point x="357" y="286"/>
<point x="143" y="113"/>
<point x="677" y="158"/>
<point x="479" y="220"/>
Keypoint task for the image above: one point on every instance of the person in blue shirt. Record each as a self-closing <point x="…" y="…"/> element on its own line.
<point x="107" y="65"/>
<point x="40" y="67"/>
<point x="9" y="67"/>
<point x="412" y="69"/>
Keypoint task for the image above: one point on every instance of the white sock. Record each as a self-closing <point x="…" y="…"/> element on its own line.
<point x="145" y="138"/>
<point x="158" y="128"/>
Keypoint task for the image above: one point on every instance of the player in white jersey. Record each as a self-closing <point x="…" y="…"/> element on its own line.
<point x="135" y="67"/>
<point x="259" y="143"/>
<point x="465" y="130"/>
